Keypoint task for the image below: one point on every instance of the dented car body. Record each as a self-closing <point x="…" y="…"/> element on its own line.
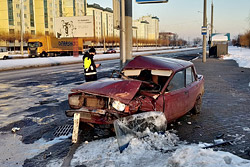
<point x="145" y="84"/>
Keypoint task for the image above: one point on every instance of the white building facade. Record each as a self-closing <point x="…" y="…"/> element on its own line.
<point x="103" y="22"/>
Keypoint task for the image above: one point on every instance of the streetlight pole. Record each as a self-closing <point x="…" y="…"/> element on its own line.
<point x="122" y="34"/>
<point x="212" y="21"/>
<point x="129" y="30"/>
<point x="204" y="35"/>
<point x="126" y="32"/>
<point x="136" y="39"/>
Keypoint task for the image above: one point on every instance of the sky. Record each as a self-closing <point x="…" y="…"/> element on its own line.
<point x="186" y="17"/>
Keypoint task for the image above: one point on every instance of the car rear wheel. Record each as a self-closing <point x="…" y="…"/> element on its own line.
<point x="197" y="106"/>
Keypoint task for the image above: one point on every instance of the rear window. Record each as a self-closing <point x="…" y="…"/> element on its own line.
<point x="177" y="81"/>
<point x="189" y="76"/>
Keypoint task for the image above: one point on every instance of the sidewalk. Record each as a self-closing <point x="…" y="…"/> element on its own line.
<point x="226" y="107"/>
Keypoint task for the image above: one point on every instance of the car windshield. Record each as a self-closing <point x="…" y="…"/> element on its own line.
<point x="153" y="80"/>
<point x="34" y="44"/>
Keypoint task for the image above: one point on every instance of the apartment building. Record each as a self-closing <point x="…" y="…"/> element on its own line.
<point x="153" y="26"/>
<point x="103" y="21"/>
<point x="146" y="28"/>
<point x="140" y="30"/>
<point x="38" y="15"/>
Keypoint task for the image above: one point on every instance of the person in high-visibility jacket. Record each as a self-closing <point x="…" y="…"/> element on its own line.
<point x="89" y="65"/>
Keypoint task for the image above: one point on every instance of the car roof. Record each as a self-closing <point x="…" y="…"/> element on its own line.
<point x="157" y="63"/>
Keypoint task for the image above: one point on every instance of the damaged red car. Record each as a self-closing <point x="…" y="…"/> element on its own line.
<point x="146" y="83"/>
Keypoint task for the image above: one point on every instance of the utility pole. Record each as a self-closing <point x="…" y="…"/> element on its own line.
<point x="212" y="22"/>
<point x="126" y="32"/>
<point x="129" y="30"/>
<point x="122" y="34"/>
<point x="204" y="35"/>
<point x="21" y="25"/>
<point x="155" y="35"/>
<point x="136" y="39"/>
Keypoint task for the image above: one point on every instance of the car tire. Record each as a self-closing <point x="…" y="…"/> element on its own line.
<point x="44" y="54"/>
<point x="197" y="106"/>
<point x="5" y="57"/>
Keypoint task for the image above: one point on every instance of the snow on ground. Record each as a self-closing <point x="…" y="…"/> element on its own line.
<point x="163" y="150"/>
<point x="35" y="62"/>
<point x="240" y="55"/>
<point x="14" y="152"/>
<point x="27" y="97"/>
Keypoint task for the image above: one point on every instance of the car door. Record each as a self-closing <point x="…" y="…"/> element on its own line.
<point x="176" y="96"/>
<point x="192" y="85"/>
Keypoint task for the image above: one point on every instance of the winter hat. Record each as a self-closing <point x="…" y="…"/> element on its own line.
<point x="92" y="50"/>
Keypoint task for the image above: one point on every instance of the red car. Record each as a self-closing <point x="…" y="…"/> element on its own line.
<point x="110" y="51"/>
<point x="146" y="83"/>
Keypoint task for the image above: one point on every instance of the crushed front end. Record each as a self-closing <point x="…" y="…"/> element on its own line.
<point x="103" y="101"/>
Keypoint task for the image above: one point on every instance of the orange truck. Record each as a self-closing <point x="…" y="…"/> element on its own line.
<point x="51" y="46"/>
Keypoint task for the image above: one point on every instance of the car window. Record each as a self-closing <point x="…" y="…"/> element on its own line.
<point x="177" y="81"/>
<point x="189" y="76"/>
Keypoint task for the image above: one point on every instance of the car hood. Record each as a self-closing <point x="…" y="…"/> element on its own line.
<point x="119" y="89"/>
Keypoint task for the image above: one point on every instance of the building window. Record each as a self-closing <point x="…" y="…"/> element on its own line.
<point x="18" y="15"/>
<point x="46" y="32"/>
<point x="10" y="12"/>
<point x="32" y="23"/>
<point x="11" y="31"/>
<point x="46" y="13"/>
<point x="33" y="32"/>
<point x="17" y="6"/>
<point x="60" y="8"/>
<point x="74" y="7"/>
<point x="25" y="15"/>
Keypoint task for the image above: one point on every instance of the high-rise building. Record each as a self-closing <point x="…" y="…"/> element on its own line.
<point x="147" y="28"/>
<point x="103" y="21"/>
<point x="141" y="31"/>
<point x="38" y="15"/>
<point x="153" y="26"/>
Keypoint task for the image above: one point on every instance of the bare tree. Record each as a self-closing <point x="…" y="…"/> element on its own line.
<point x="197" y="40"/>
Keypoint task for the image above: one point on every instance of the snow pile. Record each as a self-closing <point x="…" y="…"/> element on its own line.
<point x="240" y="55"/>
<point x="151" y="151"/>
<point x="191" y="156"/>
<point x="148" y="151"/>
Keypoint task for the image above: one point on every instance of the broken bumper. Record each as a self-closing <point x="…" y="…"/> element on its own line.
<point x="94" y="116"/>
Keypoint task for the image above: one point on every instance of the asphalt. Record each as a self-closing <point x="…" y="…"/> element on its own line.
<point x="226" y="108"/>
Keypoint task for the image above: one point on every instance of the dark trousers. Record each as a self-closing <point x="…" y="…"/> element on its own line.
<point x="90" y="77"/>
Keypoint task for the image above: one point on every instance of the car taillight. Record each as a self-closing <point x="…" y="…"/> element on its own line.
<point x="75" y="100"/>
